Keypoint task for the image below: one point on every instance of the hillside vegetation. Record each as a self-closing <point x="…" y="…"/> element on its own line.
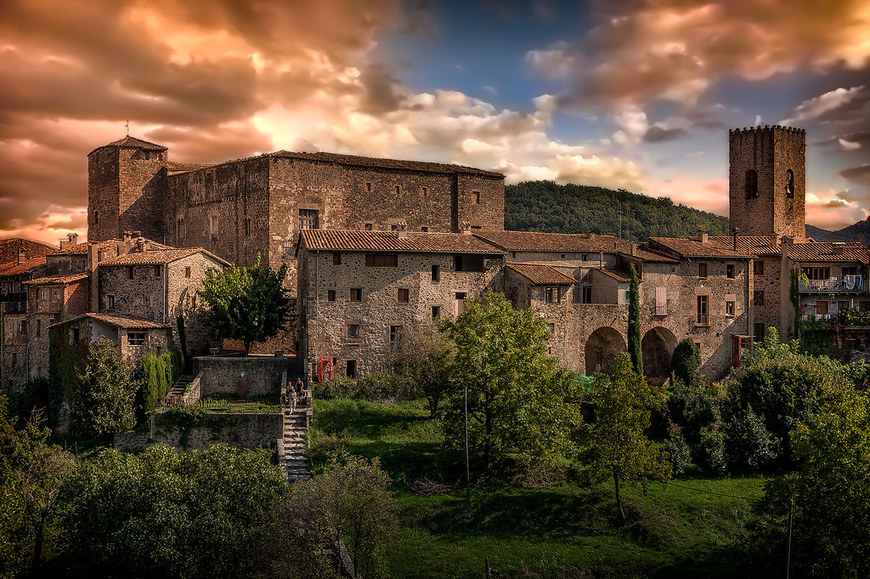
<point x="547" y="206"/>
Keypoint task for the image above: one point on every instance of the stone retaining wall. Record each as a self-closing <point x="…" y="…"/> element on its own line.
<point x="241" y="430"/>
<point x="221" y="374"/>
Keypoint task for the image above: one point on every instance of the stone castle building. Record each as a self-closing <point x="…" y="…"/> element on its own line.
<point x="377" y="247"/>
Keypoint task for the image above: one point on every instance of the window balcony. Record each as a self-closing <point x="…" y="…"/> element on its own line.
<point x="847" y="283"/>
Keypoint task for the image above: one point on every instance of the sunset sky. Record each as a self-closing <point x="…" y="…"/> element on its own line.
<point x="634" y="94"/>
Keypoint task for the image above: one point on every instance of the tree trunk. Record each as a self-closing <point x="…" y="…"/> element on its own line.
<point x="37" y="546"/>
<point x="618" y="497"/>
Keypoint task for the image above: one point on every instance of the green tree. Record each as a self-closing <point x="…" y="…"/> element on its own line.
<point x="618" y="446"/>
<point x="685" y="361"/>
<point x="423" y="357"/>
<point x="248" y="303"/>
<point x="104" y="397"/>
<point x="831" y="537"/>
<point x="349" y="501"/>
<point x="635" y="348"/>
<point x="520" y="408"/>
<point x="783" y="388"/>
<point x="163" y="513"/>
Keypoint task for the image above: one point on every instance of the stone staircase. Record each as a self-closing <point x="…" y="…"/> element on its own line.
<point x="293" y="445"/>
<point x="180" y="387"/>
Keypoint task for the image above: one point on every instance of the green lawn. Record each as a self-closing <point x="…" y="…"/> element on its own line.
<point x="684" y="529"/>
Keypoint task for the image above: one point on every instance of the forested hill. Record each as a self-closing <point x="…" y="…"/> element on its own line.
<point x="546" y="206"/>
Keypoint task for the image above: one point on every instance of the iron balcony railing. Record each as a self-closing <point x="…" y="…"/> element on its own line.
<point x="847" y="283"/>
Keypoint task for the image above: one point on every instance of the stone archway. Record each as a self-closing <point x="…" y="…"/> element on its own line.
<point x="602" y="348"/>
<point x="657" y="346"/>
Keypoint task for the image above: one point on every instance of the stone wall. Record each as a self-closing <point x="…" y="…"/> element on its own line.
<point x="771" y="152"/>
<point x="329" y="311"/>
<point x="184" y="279"/>
<point x="220" y="374"/>
<point x="241" y="430"/>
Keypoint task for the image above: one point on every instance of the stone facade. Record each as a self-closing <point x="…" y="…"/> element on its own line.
<point x="241" y="430"/>
<point x="262" y="374"/>
<point x="767" y="181"/>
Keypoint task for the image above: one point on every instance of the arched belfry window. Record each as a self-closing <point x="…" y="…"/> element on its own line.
<point x="751" y="184"/>
<point x="789" y="183"/>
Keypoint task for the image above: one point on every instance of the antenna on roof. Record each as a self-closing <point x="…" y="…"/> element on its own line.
<point x="127" y="126"/>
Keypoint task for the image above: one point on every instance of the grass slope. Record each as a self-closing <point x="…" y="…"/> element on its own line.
<point x="686" y="528"/>
<point x="546" y="206"/>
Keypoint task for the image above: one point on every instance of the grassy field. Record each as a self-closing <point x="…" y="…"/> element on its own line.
<point x="684" y="529"/>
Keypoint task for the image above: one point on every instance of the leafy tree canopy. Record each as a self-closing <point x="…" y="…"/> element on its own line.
<point x="546" y="206"/>
<point x="520" y="407"/>
<point x="618" y="446"/>
<point x="103" y="400"/>
<point x="245" y="303"/>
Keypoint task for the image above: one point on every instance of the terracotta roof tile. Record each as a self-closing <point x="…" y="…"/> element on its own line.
<point x="694" y="248"/>
<point x="761" y="245"/>
<point x="377" y="163"/>
<point x="620" y="276"/>
<point x="356" y="240"/>
<point x="156" y="257"/>
<point x="541" y="274"/>
<point x="27" y="266"/>
<point x="554" y="242"/>
<point x="57" y="279"/>
<point x="129" y="142"/>
<point x="118" y="321"/>
<point x="649" y="256"/>
<point x="830" y="251"/>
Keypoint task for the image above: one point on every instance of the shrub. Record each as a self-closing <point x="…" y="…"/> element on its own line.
<point x="678" y="453"/>
<point x="749" y="444"/>
<point x="685" y="361"/>
<point x="712" y="455"/>
<point x="690" y="407"/>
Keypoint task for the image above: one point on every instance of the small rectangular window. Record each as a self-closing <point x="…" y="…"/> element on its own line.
<point x="552" y="329"/>
<point x="247" y="226"/>
<point x="336" y="258"/>
<point x="436" y="312"/>
<point x="821" y="308"/>
<point x="330" y="295"/>
<point x="55" y="295"/>
<point x="587" y="294"/>
<point x="758" y="267"/>
<point x="382" y="260"/>
<point x="436" y="273"/>
<point x="729" y="271"/>
<point x="703" y="313"/>
<point x="136" y="338"/>
<point x="475" y="197"/>
<point x="758" y="298"/>
<point x="351" y="369"/>
<point x="355" y="294"/>
<point x="187" y="272"/>
<point x="729" y="309"/>
<point x="758" y="331"/>
<point x="702" y="269"/>
<point x="403" y="295"/>
<point x="130" y="272"/>
<point x="551" y="294"/>
<point x="353" y="331"/>
<point x="308" y="219"/>
<point x="368" y="226"/>
<point x="38" y="327"/>
<point x="395" y="335"/>
<point x="369" y="187"/>
<point x="424" y="229"/>
<point x="213" y="227"/>
<point x="43" y="295"/>
<point x="110" y="302"/>
<point x="75" y="335"/>
<point x="425" y="192"/>
<point x="398" y="190"/>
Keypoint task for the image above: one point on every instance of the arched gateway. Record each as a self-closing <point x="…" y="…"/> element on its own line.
<point x="602" y="348"/>
<point x="657" y="346"/>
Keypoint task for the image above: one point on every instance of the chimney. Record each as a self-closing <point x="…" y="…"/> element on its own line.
<point x="141" y="245"/>
<point x="127" y="236"/>
<point x="839" y="248"/>
<point x="402" y="229"/>
<point x="71" y="240"/>
<point x="736" y="231"/>
<point x="465" y="226"/>
<point x="22" y="257"/>
<point x="633" y="249"/>
<point x="137" y="234"/>
<point x="703" y="237"/>
<point x="774" y="240"/>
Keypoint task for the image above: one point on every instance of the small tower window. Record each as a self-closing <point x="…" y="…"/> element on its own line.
<point x="789" y="184"/>
<point x="751" y="184"/>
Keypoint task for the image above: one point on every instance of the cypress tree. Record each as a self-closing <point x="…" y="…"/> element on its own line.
<point x="634" y="344"/>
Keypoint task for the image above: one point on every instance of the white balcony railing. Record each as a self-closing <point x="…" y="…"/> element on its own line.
<point x="847" y="283"/>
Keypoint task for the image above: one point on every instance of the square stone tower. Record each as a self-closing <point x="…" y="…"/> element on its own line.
<point x="767" y="181"/>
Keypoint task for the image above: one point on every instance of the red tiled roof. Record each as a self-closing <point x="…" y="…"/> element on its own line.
<point x="762" y="245"/>
<point x="57" y="279"/>
<point x="830" y="251"/>
<point x="175" y="167"/>
<point x="541" y="274"/>
<point x="129" y="142"/>
<point x="82" y="248"/>
<point x="554" y="242"/>
<point x="157" y="257"/>
<point x="118" y="321"/>
<point x="356" y="240"/>
<point x="614" y="274"/>
<point x="377" y="163"/>
<point x="26" y="266"/>
<point x="694" y="248"/>
<point x="649" y="256"/>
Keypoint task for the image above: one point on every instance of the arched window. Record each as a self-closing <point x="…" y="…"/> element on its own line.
<point x="789" y="183"/>
<point x="751" y="184"/>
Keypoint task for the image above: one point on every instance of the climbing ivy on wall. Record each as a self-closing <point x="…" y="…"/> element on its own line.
<point x="65" y="364"/>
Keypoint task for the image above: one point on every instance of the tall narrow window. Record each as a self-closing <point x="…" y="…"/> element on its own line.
<point x="351" y="369"/>
<point x="369" y="187"/>
<point x="789" y="183"/>
<point x="703" y="311"/>
<point x="336" y="258"/>
<point x="308" y="219"/>
<point x="729" y="271"/>
<point x="475" y="197"/>
<point x="187" y="272"/>
<point x="398" y="189"/>
<point x="436" y="312"/>
<point x="213" y="227"/>
<point x="395" y="335"/>
<point x="587" y="294"/>
<point x="758" y="298"/>
<point x="436" y="273"/>
<point x="355" y="294"/>
<point x="247" y="226"/>
<point x="758" y="267"/>
<point x="751" y="185"/>
<point x="551" y="294"/>
<point x="702" y="269"/>
<point x="330" y="295"/>
<point x="661" y="300"/>
<point x="403" y="295"/>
